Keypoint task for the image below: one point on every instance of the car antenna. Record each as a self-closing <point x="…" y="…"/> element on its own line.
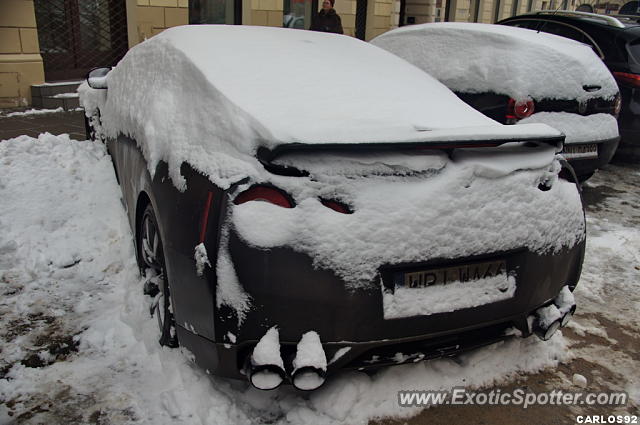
<point x="544" y="23"/>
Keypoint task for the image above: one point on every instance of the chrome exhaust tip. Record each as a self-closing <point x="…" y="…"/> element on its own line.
<point x="547" y="321"/>
<point x="265" y="366"/>
<point x="568" y="316"/>
<point x="266" y="377"/>
<point x="308" y="378"/>
<point x="566" y="304"/>
<point x="310" y="363"/>
<point x="545" y="334"/>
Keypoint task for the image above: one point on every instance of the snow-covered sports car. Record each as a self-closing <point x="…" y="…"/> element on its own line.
<point x="288" y="234"/>
<point x="515" y="75"/>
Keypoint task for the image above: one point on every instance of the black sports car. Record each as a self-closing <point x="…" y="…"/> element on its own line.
<point x="289" y="234"/>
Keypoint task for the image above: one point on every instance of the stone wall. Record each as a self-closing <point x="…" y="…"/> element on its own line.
<point x="20" y="60"/>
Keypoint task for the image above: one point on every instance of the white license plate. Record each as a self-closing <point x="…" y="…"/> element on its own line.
<point x="580" y="151"/>
<point x="447" y="275"/>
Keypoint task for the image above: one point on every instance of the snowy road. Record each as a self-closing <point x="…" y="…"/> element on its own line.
<point x="77" y="344"/>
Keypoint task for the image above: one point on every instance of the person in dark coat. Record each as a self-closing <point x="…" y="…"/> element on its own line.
<point x="327" y="20"/>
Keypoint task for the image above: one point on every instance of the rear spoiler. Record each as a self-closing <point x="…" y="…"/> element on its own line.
<point x="265" y="154"/>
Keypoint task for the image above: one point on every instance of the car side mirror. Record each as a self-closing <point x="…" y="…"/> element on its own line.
<point x="97" y="78"/>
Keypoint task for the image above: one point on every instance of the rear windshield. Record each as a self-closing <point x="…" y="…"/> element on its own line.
<point x="634" y="50"/>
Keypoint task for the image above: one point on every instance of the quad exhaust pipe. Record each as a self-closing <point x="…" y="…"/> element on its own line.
<point x="310" y="363"/>
<point x="266" y="377"/>
<point x="566" y="304"/>
<point x="547" y="320"/>
<point x="265" y="367"/>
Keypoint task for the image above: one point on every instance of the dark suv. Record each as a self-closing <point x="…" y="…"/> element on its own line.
<point x="616" y="39"/>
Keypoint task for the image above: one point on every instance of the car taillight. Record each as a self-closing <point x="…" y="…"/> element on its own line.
<point x="336" y="206"/>
<point x="269" y="194"/>
<point x="519" y="109"/>
<point x="627" y="78"/>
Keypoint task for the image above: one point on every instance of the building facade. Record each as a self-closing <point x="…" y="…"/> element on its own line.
<point x="60" y="40"/>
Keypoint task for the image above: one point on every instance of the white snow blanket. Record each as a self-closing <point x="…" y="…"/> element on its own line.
<point x="68" y="268"/>
<point x="210" y="95"/>
<point x="408" y="302"/>
<point x="577" y="128"/>
<point x="484" y="200"/>
<point x="121" y="375"/>
<point x="517" y="62"/>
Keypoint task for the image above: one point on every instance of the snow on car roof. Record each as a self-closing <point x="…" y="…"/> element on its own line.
<point x="521" y="63"/>
<point x="212" y="95"/>
<point x="316" y="88"/>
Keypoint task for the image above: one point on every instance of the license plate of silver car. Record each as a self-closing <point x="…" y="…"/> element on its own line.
<point x="580" y="151"/>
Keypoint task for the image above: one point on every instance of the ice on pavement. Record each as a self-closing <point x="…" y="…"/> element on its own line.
<point x="579" y="380"/>
<point x="74" y="261"/>
<point x="517" y="62"/>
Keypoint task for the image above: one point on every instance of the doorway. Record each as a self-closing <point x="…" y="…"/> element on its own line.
<point x="78" y="35"/>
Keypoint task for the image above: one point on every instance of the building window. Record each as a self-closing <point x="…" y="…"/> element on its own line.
<point x="497" y="10"/>
<point x="514" y="7"/>
<point x="215" y="11"/>
<point x="298" y="13"/>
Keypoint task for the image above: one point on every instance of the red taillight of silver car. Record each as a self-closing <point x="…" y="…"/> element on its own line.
<point x="627" y="78"/>
<point x="519" y="109"/>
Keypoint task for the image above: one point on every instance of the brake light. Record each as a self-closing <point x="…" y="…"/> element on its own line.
<point x="519" y="109"/>
<point x="627" y="78"/>
<point x="336" y="206"/>
<point x="269" y="194"/>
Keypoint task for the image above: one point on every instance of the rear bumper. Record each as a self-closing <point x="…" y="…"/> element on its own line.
<point x="288" y="292"/>
<point x="606" y="151"/>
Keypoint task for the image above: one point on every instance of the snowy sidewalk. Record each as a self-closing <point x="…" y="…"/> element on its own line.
<point x="14" y="123"/>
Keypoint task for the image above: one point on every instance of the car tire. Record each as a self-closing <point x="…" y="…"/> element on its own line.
<point x="151" y="255"/>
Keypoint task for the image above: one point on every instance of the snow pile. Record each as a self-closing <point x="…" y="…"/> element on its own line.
<point x="191" y="94"/>
<point x="309" y="363"/>
<point x="71" y="95"/>
<point x="201" y="257"/>
<point x="464" y="209"/>
<point x="229" y="291"/>
<point x="520" y="63"/>
<point x="73" y="261"/>
<point x="565" y="300"/>
<point x="578" y="128"/>
<point x="547" y="315"/>
<point x="34" y="112"/>
<point x="408" y="302"/>
<point x="364" y="163"/>
<point x="267" y="350"/>
<point x="309" y="352"/>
